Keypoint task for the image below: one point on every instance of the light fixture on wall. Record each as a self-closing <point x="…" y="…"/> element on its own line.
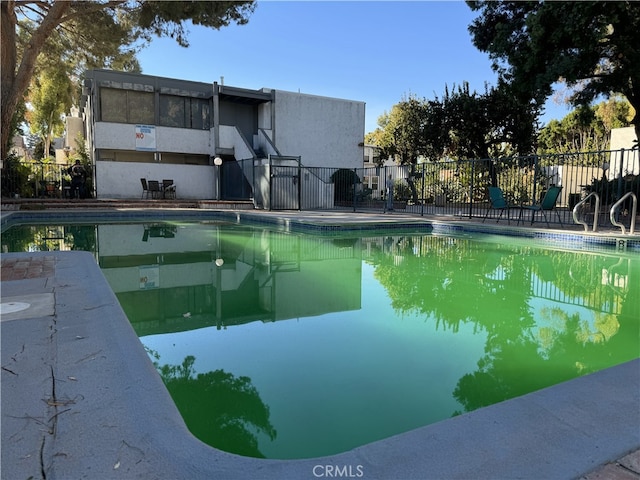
<point x="217" y="161"/>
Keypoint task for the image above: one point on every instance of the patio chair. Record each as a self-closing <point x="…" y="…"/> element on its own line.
<point x="168" y="189"/>
<point x="548" y="203"/>
<point x="154" y="189"/>
<point x="498" y="202"/>
<point x="145" y="188"/>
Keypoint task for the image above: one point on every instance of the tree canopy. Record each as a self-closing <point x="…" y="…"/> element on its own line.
<point x="592" y="46"/>
<point x="81" y="35"/>
<point x="400" y="133"/>
<point x="586" y="129"/>
<point x="219" y="408"/>
<point x="463" y="124"/>
<point x="49" y="98"/>
<point x="492" y="123"/>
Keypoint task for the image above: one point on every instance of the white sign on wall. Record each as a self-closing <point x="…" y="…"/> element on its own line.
<point x="146" y="137"/>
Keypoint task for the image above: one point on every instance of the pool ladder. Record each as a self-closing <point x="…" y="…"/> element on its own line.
<point x="612" y="212"/>
<point x="634" y="210"/>
<point x="596" y="213"/>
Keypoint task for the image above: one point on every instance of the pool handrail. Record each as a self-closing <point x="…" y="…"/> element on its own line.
<point x="634" y="210"/>
<point x="596" y="213"/>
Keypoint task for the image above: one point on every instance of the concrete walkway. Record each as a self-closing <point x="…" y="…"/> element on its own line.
<point x="80" y="399"/>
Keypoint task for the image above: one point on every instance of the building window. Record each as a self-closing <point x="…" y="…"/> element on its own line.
<point x="129" y="106"/>
<point x="168" y="158"/>
<point x="125" y="156"/>
<point x="126" y="106"/>
<point x="184" y="159"/>
<point x="141" y="107"/>
<point x="113" y="105"/>
<point x="184" y="112"/>
<point x="371" y="182"/>
<point x="200" y="114"/>
<point x="172" y="111"/>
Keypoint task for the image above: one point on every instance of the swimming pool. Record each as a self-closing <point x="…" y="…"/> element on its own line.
<point x="333" y="342"/>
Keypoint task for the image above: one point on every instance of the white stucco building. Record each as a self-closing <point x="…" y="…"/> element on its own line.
<point x="140" y="126"/>
<point x="627" y="162"/>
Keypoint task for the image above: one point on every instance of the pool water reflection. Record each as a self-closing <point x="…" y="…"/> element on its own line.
<point x="290" y="346"/>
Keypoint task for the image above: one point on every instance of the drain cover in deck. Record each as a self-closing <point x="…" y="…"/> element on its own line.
<point x="11" y="307"/>
<point x="27" y="306"/>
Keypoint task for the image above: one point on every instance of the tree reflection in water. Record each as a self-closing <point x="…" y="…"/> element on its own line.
<point x="220" y="409"/>
<point x="500" y="290"/>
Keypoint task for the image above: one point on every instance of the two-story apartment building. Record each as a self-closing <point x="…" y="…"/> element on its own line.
<point x="140" y="126"/>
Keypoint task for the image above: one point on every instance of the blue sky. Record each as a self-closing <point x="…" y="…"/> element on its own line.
<point x="371" y="51"/>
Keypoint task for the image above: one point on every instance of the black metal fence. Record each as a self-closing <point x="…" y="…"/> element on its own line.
<point x="458" y="188"/>
<point x="40" y="179"/>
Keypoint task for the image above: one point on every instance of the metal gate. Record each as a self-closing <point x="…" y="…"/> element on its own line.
<point x="234" y="183"/>
<point x="284" y="183"/>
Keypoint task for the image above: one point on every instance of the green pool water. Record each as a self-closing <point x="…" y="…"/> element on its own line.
<point x="282" y="345"/>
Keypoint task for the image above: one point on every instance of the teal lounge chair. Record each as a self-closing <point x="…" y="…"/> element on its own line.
<point x="548" y="203"/>
<point x="498" y="202"/>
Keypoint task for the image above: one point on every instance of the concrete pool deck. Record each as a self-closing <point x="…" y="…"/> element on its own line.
<point x="80" y="399"/>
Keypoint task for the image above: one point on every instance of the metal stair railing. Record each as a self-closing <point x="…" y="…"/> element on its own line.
<point x="634" y="210"/>
<point x="596" y="213"/>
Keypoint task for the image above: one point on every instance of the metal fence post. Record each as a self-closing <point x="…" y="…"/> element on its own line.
<point x="471" y="186"/>
<point x="355" y="183"/>
<point x="299" y="184"/>
<point x="422" y="192"/>
<point x="620" y="172"/>
<point x="270" y="182"/>
<point x="620" y="182"/>
<point x="253" y="186"/>
<point x="535" y="178"/>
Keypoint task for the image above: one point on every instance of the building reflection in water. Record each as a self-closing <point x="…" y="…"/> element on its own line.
<point x="225" y="276"/>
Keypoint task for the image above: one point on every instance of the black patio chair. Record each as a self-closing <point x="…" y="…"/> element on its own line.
<point x="145" y="188"/>
<point x="168" y="188"/>
<point x="154" y="189"/>
<point x="548" y="203"/>
<point x="498" y="202"/>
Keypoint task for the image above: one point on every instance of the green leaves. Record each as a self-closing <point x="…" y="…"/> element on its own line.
<point x="463" y="124"/>
<point x="49" y="99"/>
<point x="586" y="129"/>
<point x="593" y="46"/>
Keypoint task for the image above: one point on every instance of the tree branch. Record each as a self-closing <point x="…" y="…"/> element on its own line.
<point x="89" y="7"/>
